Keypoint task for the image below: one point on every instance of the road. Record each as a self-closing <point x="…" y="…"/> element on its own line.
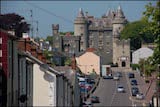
<point x="107" y="92"/>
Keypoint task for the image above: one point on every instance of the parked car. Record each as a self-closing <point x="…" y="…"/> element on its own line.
<point x="133" y="82"/>
<point x="120" y="88"/>
<point x="94" y="99"/>
<point x="82" y="84"/>
<point x="115" y="77"/>
<point x="88" y="86"/>
<point x="140" y="96"/>
<point x="134" y="91"/>
<point x="131" y="75"/>
<point x="87" y="104"/>
<point x="119" y="74"/>
<point x="107" y="77"/>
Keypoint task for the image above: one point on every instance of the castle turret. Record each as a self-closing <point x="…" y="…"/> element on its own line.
<point x="121" y="48"/>
<point x="57" y="41"/>
<point x="55" y="29"/>
<point x="80" y="29"/>
<point x="118" y="22"/>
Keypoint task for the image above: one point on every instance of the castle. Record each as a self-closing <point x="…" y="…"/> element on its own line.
<point x="103" y="34"/>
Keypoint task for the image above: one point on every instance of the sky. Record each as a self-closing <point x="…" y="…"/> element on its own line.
<point x="65" y="12"/>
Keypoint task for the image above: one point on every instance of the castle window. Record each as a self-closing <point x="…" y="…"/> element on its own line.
<point x="81" y="28"/>
<point x="91" y="43"/>
<point x="100" y="43"/>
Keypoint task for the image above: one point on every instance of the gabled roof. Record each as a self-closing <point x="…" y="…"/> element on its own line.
<point x="93" y="50"/>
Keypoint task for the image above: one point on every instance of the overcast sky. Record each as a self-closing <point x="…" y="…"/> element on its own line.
<point x="64" y="12"/>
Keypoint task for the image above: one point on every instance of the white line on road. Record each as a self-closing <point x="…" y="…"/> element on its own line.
<point x="128" y="84"/>
<point x="114" y="93"/>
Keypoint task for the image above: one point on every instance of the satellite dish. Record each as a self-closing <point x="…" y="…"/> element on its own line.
<point x="48" y="77"/>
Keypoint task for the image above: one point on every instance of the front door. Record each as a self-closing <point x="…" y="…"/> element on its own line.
<point x="123" y="63"/>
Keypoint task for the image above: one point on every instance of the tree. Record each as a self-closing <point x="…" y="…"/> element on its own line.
<point x="133" y="31"/>
<point x="67" y="61"/>
<point x="152" y="16"/>
<point x="50" y="39"/>
<point x="14" y="22"/>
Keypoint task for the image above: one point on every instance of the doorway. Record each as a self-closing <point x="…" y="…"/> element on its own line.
<point x="123" y="63"/>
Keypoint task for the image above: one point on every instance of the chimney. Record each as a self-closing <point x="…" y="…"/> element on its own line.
<point x="40" y="55"/>
<point x="33" y="51"/>
<point x="24" y="45"/>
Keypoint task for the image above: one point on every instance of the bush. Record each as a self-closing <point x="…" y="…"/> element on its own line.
<point x="134" y="66"/>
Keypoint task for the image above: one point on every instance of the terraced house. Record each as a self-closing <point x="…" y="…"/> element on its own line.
<point x="27" y="78"/>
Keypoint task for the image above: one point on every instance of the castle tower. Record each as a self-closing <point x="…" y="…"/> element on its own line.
<point x="80" y="29"/>
<point x="121" y="48"/>
<point x="55" y="29"/>
<point x="57" y="41"/>
<point x="118" y="22"/>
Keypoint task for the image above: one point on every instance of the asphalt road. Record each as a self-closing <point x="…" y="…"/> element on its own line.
<point x="108" y="95"/>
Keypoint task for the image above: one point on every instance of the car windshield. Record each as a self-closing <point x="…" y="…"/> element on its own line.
<point x="120" y="86"/>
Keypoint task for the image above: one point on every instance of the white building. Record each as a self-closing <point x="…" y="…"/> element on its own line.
<point x="142" y="53"/>
<point x="51" y="87"/>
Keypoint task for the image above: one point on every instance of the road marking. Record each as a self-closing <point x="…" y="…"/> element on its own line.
<point x="114" y="94"/>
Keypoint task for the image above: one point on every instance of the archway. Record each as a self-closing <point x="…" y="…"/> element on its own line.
<point x="123" y="63"/>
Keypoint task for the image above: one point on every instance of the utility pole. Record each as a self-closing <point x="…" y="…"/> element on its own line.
<point x="37" y="29"/>
<point x="31" y="23"/>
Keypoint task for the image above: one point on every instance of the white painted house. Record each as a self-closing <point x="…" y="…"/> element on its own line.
<point x="51" y="87"/>
<point x="141" y="53"/>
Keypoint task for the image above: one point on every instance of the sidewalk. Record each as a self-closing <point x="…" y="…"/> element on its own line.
<point x="146" y="88"/>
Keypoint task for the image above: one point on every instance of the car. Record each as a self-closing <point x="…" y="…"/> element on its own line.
<point x="119" y="74"/>
<point x="134" y="91"/>
<point x="140" y="96"/>
<point x="107" y="77"/>
<point x="120" y="88"/>
<point x="115" y="77"/>
<point x="94" y="99"/>
<point x="87" y="104"/>
<point x="133" y="82"/>
<point x="131" y="75"/>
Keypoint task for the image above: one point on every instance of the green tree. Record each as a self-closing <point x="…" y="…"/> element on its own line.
<point x="50" y="39"/>
<point x="15" y="22"/>
<point x="67" y="61"/>
<point x="152" y="16"/>
<point x="133" y="31"/>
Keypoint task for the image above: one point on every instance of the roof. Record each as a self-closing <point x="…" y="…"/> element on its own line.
<point x="28" y="55"/>
<point x="142" y="49"/>
<point x="93" y="50"/>
<point x="9" y="35"/>
<point x="67" y="72"/>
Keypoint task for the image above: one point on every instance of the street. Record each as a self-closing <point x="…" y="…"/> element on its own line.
<point x="108" y="95"/>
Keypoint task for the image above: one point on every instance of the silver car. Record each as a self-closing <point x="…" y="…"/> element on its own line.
<point x="120" y="89"/>
<point x="140" y="96"/>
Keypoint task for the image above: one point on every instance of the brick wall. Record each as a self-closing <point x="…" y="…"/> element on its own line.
<point x="4" y="48"/>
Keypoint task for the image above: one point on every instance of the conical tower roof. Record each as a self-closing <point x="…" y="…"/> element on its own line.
<point x="119" y="13"/>
<point x="80" y="13"/>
